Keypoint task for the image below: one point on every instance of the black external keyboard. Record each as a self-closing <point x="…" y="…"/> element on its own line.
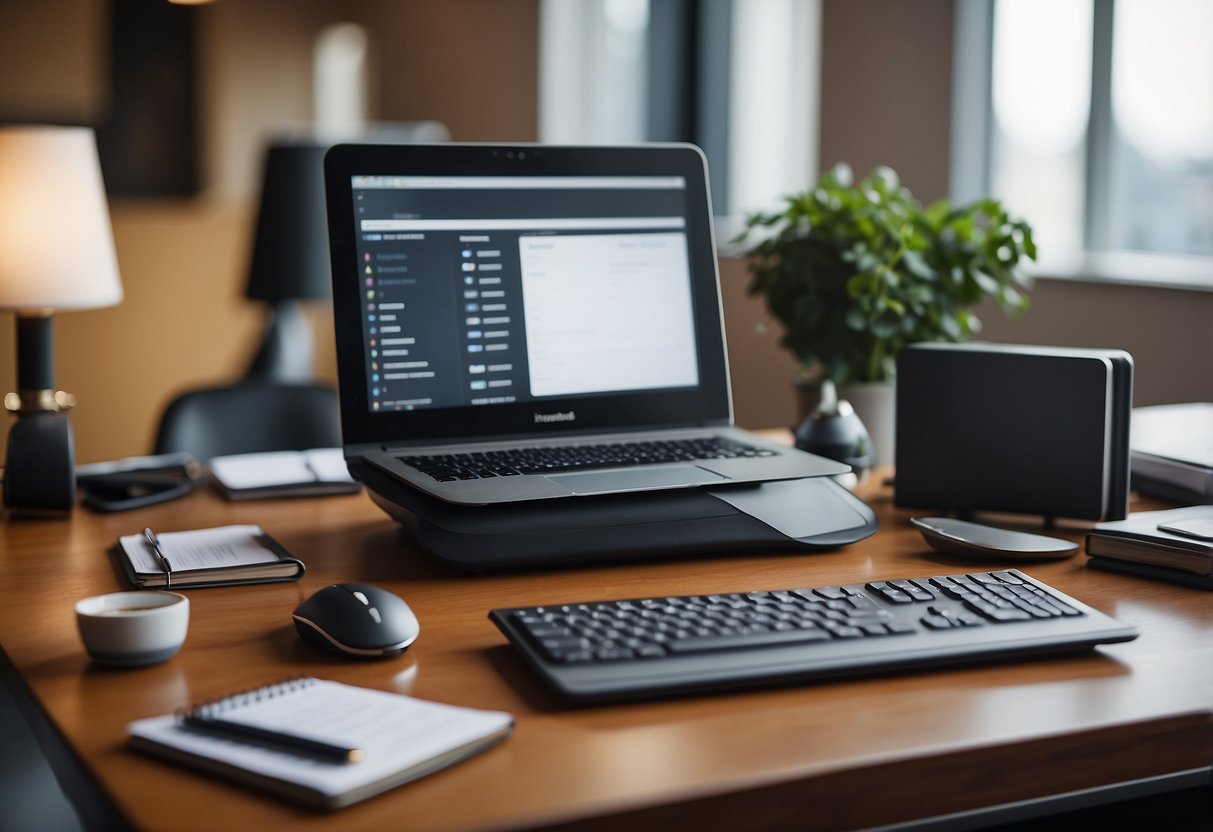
<point x="549" y="458"/>
<point x="605" y="650"/>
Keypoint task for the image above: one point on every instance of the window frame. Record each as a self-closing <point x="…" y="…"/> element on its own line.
<point x="697" y="62"/>
<point x="971" y="162"/>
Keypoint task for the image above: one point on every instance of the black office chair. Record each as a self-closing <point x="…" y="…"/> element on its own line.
<point x="250" y="417"/>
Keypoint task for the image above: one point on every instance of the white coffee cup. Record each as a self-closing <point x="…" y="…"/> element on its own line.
<point x="132" y="629"/>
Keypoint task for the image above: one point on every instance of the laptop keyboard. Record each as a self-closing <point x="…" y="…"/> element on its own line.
<point x="551" y="459"/>
<point x="655" y="646"/>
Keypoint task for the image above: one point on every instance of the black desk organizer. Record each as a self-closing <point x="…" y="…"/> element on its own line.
<point x="579" y="531"/>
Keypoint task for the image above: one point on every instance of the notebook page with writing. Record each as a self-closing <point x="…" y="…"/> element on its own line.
<point x="218" y="556"/>
<point x="401" y="738"/>
<point x="224" y="546"/>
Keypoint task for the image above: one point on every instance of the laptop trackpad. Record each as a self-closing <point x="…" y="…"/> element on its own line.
<point x="651" y="476"/>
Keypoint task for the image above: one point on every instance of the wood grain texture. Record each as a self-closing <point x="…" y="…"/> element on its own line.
<point x="809" y="755"/>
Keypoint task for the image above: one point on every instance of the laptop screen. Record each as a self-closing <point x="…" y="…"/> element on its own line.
<point x="487" y="290"/>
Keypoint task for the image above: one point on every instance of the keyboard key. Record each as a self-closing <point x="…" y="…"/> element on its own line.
<point x="913" y="590"/>
<point x="764" y="639"/>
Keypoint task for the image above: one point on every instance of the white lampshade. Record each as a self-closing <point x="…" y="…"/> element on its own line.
<point x="56" y="245"/>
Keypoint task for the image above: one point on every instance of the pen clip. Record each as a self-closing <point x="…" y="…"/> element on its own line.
<point x="154" y="543"/>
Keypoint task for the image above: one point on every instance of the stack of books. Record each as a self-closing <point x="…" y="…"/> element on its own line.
<point x="1174" y="544"/>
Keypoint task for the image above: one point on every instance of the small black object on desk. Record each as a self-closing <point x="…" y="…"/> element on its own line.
<point x="356" y="621"/>
<point x="835" y="431"/>
<point x="967" y="539"/>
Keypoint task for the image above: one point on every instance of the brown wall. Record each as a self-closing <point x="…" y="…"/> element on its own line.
<point x="472" y="64"/>
<point x="53" y="60"/>
<point x="1169" y="332"/>
<point x="886" y="89"/>
<point x="761" y="373"/>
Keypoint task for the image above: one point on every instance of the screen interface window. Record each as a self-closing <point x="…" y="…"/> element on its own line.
<point x="483" y="290"/>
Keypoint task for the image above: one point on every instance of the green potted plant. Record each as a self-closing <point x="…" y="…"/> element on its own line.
<point x="856" y="271"/>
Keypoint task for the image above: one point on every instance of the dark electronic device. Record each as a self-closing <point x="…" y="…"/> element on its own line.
<point x="835" y="431"/>
<point x="789" y="515"/>
<point x="960" y="537"/>
<point x="1022" y="429"/>
<point x="532" y="360"/>
<point x="356" y="621"/>
<point x="608" y="650"/>
<point x="137" y="482"/>
<point x="518" y="324"/>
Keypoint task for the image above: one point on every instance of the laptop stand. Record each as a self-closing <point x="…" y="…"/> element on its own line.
<point x="806" y="514"/>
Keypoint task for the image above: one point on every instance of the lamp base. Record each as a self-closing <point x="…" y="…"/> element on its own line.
<point x="40" y="471"/>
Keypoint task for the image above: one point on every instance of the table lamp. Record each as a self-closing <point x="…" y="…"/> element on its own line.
<point x="290" y="261"/>
<point x="56" y="254"/>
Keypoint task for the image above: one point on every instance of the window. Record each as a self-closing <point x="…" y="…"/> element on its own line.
<point x="739" y="78"/>
<point x="1094" y="120"/>
<point x="1160" y="166"/>
<point x="339" y="80"/>
<point x="1041" y="105"/>
<point x="593" y="66"/>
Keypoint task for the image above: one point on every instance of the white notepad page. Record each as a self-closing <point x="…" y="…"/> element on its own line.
<point x="224" y="546"/>
<point x="397" y="735"/>
<point x="280" y="468"/>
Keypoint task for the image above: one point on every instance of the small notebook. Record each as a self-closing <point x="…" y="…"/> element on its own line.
<point x="220" y="556"/>
<point x="400" y="739"/>
<point x="1170" y="541"/>
<point x="282" y="474"/>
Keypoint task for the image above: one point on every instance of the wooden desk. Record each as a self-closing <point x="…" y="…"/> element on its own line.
<point x="830" y="755"/>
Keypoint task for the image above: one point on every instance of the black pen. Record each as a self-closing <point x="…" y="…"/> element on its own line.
<point x="154" y="542"/>
<point x="292" y="742"/>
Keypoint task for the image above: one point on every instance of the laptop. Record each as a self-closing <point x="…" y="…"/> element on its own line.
<point x="521" y="322"/>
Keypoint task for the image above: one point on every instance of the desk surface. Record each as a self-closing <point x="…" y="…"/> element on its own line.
<point x="843" y="754"/>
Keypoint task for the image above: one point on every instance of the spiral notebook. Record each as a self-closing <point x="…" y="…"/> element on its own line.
<point x="397" y="739"/>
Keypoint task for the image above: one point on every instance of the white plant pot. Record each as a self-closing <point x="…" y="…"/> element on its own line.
<point x="876" y="405"/>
